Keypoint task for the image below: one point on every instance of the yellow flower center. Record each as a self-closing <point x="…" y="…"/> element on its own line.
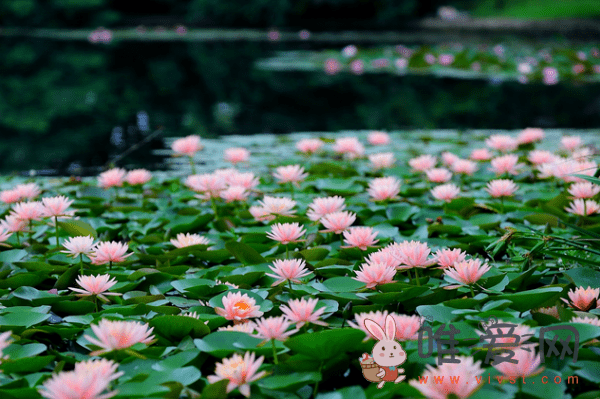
<point x="241" y="305"/>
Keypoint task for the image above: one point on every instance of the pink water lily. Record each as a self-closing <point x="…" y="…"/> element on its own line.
<point x="115" y="335"/>
<point x="309" y="146"/>
<point x="290" y="174"/>
<point x="302" y="311"/>
<point x="291" y="270"/>
<point x="237" y="155"/>
<point x="240" y="371"/>
<point x="108" y="252"/>
<point x="95" y="286"/>
<point x="286" y="233"/>
<point x="467" y="271"/>
<point x="337" y="222"/>
<point x="360" y="237"/>
<point x="374" y="274"/>
<point x="112" y="178"/>
<point x="189" y="145"/>
<point x="320" y="207"/>
<point x="238" y="307"/>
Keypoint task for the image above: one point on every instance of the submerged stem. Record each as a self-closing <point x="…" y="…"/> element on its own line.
<point x="417" y="277"/>
<point x="56" y="225"/>
<point x="274" y="351"/>
<point x="193" y="165"/>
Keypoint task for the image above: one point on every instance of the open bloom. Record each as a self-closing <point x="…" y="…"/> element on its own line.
<point x="583" y="298"/>
<point x="373" y="274"/>
<point x="501" y="188"/>
<point x="385" y="256"/>
<point x="407" y="327"/>
<point x="112" y="178"/>
<point x="571" y="143"/>
<point x="349" y="146"/>
<point x="28" y="190"/>
<point x="309" y="146"/>
<point x="527" y="363"/>
<point x="29" y="210"/>
<point x="480" y="154"/>
<point x="234" y="193"/>
<point x="501" y="142"/>
<point x="56" y="206"/>
<point x="464" y="167"/>
<point x="378" y="317"/>
<point x="583" y="207"/>
<point x="234" y="178"/>
<point x="95" y="285"/>
<point x="237" y="155"/>
<point x="290" y="174"/>
<point x="288" y="270"/>
<point x="320" y="207"/>
<point x="209" y="185"/>
<point x="530" y="135"/>
<point x="564" y="168"/>
<point x="10" y="196"/>
<point x="422" y="163"/>
<point x="378" y="138"/>
<point x="240" y="371"/>
<point x="584" y="190"/>
<point x="506" y="164"/>
<point x="438" y="175"/>
<point x="187" y="240"/>
<point x="274" y="328"/>
<point x="87" y="381"/>
<point x="449" y="158"/>
<point x="302" y="311"/>
<point x="80" y="245"/>
<point x="360" y="237"/>
<point x="468" y="271"/>
<point x="382" y="160"/>
<point x="114" y="335"/>
<point x="447" y="257"/>
<point x="286" y="232"/>
<point x="189" y="145"/>
<point x="238" y="307"/>
<point x="278" y="206"/>
<point x="105" y="252"/>
<point x="138" y="177"/>
<point x="466" y="370"/>
<point x="538" y="157"/>
<point x="412" y="254"/>
<point x="337" y="222"/>
<point x="445" y="192"/>
<point x="384" y="188"/>
<point x="13" y="223"/>
<point x="260" y="214"/>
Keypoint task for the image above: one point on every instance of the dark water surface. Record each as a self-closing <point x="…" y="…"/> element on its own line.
<point x="66" y="103"/>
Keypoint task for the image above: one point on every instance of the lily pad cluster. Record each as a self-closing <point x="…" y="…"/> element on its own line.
<point x="526" y="63"/>
<point x="228" y="283"/>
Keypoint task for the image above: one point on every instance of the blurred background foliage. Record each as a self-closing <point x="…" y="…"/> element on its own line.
<point x="73" y="102"/>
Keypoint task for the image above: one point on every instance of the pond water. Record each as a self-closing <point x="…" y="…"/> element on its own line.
<point x="69" y="105"/>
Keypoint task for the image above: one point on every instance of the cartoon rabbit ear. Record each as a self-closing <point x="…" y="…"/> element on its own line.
<point x="390" y="328"/>
<point x="375" y="329"/>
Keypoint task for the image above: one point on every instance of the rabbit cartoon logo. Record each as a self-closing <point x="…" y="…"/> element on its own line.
<point x="382" y="367"/>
